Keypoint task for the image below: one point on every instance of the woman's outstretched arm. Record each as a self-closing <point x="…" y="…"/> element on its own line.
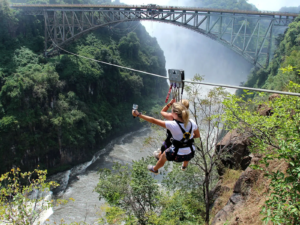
<point x="164" y="110"/>
<point x="149" y="119"/>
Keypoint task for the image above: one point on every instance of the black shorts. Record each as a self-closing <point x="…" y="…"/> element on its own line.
<point x="170" y="154"/>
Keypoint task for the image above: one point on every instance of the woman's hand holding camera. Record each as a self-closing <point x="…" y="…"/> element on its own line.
<point x="135" y="113"/>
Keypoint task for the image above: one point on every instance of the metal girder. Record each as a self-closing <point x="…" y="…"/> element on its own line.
<point x="264" y="39"/>
<point x="249" y="34"/>
<point x="189" y="19"/>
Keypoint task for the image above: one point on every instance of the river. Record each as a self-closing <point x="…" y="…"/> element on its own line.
<point x="80" y="181"/>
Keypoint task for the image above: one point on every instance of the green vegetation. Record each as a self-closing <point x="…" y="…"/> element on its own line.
<point x="22" y="196"/>
<point x="134" y="191"/>
<point x="290" y="9"/>
<point x="63" y="107"/>
<point x="286" y="54"/>
<point x="277" y="138"/>
<point x="223" y="4"/>
<point x="56" y="111"/>
<point x="135" y="197"/>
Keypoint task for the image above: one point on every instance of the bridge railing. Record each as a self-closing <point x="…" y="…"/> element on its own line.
<point x="157" y="7"/>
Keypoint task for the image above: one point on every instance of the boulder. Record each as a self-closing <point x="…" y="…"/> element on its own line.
<point x="234" y="145"/>
<point x="265" y="110"/>
<point x="273" y="96"/>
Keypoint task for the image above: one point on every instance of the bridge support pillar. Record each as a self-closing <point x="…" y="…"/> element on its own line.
<point x="270" y="47"/>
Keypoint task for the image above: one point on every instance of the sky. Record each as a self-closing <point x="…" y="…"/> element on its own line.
<point x="273" y="5"/>
<point x="267" y="5"/>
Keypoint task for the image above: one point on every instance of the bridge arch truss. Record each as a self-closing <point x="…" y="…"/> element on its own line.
<point x="249" y="33"/>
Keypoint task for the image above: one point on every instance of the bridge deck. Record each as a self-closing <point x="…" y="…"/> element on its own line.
<point x="145" y="7"/>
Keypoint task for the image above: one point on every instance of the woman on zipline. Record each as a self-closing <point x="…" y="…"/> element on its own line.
<point x="168" y="116"/>
<point x="183" y="131"/>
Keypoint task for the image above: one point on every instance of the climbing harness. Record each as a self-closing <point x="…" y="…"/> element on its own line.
<point x="185" y="141"/>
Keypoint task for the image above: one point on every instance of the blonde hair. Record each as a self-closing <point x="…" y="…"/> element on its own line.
<point x="182" y="112"/>
<point x="185" y="103"/>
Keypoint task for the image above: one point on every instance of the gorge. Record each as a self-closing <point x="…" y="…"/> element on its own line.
<point x="72" y="117"/>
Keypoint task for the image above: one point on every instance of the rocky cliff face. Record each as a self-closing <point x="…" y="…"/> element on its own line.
<point x="240" y="195"/>
<point x="246" y="198"/>
<point x="241" y="201"/>
<point x="56" y="112"/>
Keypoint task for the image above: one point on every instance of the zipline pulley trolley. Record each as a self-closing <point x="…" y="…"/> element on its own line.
<point x="176" y="78"/>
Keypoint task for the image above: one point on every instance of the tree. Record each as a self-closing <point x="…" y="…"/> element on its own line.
<point x="276" y="137"/>
<point x="22" y="196"/>
<point x="56" y="107"/>
<point x="207" y="111"/>
<point x="130" y="45"/>
<point x="294" y="9"/>
<point x="178" y="207"/>
<point x="133" y="191"/>
<point x="133" y="197"/>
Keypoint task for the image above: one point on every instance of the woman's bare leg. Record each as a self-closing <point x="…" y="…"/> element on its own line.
<point x="159" y="154"/>
<point x="161" y="162"/>
<point x="185" y="163"/>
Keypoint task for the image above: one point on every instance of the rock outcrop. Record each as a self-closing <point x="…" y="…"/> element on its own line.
<point x="235" y="144"/>
<point x="240" y="194"/>
<point x="236" y="151"/>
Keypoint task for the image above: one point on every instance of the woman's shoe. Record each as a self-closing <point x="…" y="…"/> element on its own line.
<point x="151" y="169"/>
<point x="183" y="168"/>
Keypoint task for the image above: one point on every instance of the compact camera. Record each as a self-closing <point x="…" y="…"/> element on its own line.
<point x="135" y="107"/>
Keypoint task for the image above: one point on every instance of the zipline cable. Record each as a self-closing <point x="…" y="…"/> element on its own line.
<point x="187" y="81"/>
<point x="111" y="64"/>
<point x="244" y="88"/>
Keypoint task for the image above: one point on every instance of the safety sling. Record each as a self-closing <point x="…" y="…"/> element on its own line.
<point x="167" y="143"/>
<point x="185" y="141"/>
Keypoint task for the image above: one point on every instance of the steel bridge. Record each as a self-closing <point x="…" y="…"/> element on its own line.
<point x="249" y="33"/>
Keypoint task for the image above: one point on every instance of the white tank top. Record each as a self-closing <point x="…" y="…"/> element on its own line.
<point x="177" y="134"/>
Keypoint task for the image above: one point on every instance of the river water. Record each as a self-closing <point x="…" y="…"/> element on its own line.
<point x="80" y="181"/>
